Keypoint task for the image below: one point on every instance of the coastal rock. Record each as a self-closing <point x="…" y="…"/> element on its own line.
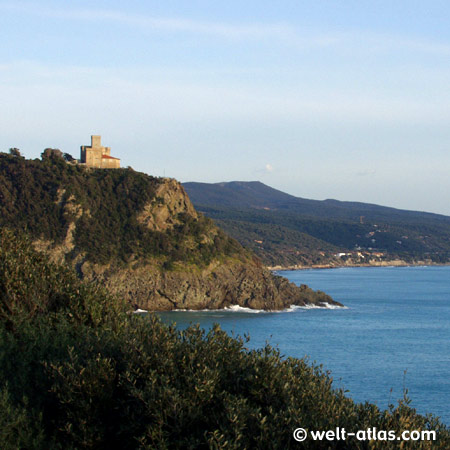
<point x="216" y="287"/>
<point x="225" y="282"/>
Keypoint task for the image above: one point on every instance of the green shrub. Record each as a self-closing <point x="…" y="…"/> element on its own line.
<point x="77" y="371"/>
<point x="18" y="427"/>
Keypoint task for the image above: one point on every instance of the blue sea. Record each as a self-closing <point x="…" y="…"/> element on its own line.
<point x="394" y="333"/>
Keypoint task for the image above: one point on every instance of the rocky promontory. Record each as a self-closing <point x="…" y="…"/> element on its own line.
<point x="139" y="236"/>
<point x="215" y="287"/>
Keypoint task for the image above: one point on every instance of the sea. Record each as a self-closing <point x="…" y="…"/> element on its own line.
<point x="392" y="337"/>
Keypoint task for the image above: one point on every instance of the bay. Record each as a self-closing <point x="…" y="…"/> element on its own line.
<point x="393" y="335"/>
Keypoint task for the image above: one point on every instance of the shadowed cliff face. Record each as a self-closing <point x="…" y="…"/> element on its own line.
<point x="219" y="286"/>
<point x="225" y="282"/>
<point x="139" y="236"/>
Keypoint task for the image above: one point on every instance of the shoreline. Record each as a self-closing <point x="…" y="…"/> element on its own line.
<point x="392" y="263"/>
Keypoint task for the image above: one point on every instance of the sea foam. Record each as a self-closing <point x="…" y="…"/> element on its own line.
<point x="243" y="309"/>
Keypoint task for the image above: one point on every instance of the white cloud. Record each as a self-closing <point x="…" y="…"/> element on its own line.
<point x="393" y="42"/>
<point x="283" y="31"/>
<point x="152" y="23"/>
<point x="114" y="91"/>
<point x="268" y="168"/>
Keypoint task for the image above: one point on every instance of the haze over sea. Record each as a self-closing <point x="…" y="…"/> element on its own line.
<point x="394" y="333"/>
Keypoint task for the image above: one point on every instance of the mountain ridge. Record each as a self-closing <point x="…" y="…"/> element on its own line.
<point x="195" y="189"/>
<point x="268" y="221"/>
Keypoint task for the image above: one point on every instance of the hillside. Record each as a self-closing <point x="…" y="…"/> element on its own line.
<point x="77" y="371"/>
<point x="286" y="230"/>
<point x="137" y="235"/>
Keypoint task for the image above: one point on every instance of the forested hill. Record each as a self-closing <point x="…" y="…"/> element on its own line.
<point x="283" y="229"/>
<point x="257" y="195"/>
<point x="138" y="235"/>
<point x="102" y="213"/>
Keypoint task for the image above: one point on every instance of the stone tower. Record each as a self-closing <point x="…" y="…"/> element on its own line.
<point x="98" y="156"/>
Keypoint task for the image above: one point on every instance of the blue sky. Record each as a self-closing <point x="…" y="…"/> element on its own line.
<point x="321" y="99"/>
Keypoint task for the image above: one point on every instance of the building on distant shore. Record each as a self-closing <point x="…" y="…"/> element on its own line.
<point x="98" y="156"/>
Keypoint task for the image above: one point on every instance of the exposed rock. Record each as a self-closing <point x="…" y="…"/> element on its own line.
<point x="170" y="200"/>
<point x="145" y="284"/>
<point x="218" y="286"/>
<point x="72" y="211"/>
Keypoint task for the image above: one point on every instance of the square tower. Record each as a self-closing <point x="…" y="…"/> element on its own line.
<point x="98" y="156"/>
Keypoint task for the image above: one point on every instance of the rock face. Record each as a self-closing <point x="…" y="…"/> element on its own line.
<point x="170" y="200"/>
<point x="223" y="283"/>
<point x="218" y="286"/>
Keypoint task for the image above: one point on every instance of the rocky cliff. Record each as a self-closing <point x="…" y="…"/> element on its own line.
<point x="218" y="286"/>
<point x="140" y="236"/>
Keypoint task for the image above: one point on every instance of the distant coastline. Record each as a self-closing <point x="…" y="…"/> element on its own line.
<point x="391" y="263"/>
<point x="288" y="232"/>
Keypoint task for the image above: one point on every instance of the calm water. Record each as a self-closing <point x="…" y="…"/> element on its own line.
<point x="394" y="334"/>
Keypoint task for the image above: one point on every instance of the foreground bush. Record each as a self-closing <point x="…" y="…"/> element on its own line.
<point x="77" y="371"/>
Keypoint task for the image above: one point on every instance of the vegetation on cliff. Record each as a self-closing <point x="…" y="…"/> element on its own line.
<point x="44" y="197"/>
<point x="137" y="235"/>
<point x="77" y="371"/>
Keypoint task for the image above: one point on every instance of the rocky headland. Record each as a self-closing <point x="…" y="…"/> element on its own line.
<point x="140" y="237"/>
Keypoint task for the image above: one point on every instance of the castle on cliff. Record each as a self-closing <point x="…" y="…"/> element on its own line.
<point x="98" y="156"/>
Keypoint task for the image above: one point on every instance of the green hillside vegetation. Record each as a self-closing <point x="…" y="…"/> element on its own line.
<point x="295" y="230"/>
<point x="78" y="371"/>
<point x="275" y="243"/>
<point x="138" y="236"/>
<point x="45" y="196"/>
